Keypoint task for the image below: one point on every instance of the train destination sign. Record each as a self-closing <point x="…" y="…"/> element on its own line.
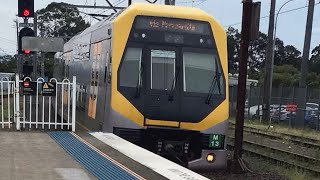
<point x="172" y="24"/>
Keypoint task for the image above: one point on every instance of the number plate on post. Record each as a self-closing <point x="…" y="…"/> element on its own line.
<point x="215" y="140"/>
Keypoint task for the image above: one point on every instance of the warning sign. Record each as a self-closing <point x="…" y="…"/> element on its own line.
<point x="48" y="89"/>
<point x="29" y="88"/>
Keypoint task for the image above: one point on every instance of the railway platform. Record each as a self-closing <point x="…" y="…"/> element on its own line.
<point x="35" y="155"/>
<point x="82" y="156"/>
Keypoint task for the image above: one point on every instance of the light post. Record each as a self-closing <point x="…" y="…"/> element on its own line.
<point x="275" y="32"/>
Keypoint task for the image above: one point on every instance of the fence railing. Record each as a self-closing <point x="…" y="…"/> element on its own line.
<point x="37" y="109"/>
<point x="281" y="99"/>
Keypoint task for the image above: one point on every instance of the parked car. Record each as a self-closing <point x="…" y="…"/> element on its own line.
<point x="254" y="112"/>
<point x="281" y="114"/>
<point x="311" y="114"/>
<point x="313" y="106"/>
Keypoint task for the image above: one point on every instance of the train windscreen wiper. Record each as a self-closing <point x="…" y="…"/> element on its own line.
<point x="173" y="85"/>
<point x="138" y="86"/>
<point x="214" y="84"/>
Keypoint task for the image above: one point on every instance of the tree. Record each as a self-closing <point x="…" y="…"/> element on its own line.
<point x="233" y="41"/>
<point x="288" y="55"/>
<point x="57" y="20"/>
<point x="285" y="75"/>
<point x="256" y="52"/>
<point x="284" y="55"/>
<point x="313" y="80"/>
<point x="49" y="65"/>
<point x="8" y="64"/>
<point x="257" y="55"/>
<point x="315" y="60"/>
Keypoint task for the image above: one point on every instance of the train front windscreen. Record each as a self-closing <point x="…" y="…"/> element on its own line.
<point x="171" y="70"/>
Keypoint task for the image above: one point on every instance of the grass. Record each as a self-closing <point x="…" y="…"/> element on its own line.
<point x="280" y="128"/>
<point x="262" y="165"/>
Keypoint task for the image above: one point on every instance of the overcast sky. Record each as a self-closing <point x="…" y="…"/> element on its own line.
<point x="290" y="28"/>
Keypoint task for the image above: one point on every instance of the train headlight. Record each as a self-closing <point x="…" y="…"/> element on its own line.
<point x="211" y="158"/>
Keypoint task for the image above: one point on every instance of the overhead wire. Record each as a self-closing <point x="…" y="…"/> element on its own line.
<point x="284" y="12"/>
<point x="5" y="52"/>
<point x="119" y="2"/>
<point x="9" y="41"/>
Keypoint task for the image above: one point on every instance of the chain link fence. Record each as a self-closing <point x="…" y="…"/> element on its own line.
<point x="284" y="101"/>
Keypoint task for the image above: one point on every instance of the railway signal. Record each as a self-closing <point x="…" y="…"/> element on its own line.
<point x="25" y="32"/>
<point x="26" y="8"/>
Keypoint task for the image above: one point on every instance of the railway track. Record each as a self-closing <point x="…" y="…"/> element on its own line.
<point x="298" y="140"/>
<point x="279" y="156"/>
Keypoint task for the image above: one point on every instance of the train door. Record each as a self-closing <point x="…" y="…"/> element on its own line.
<point x="92" y="105"/>
<point x="162" y="97"/>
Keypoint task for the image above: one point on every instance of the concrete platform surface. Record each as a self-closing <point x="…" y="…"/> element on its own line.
<point x="35" y="156"/>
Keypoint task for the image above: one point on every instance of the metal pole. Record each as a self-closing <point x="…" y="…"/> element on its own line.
<point x="304" y="66"/>
<point x="267" y="87"/>
<point x="245" y="39"/>
<point x="17" y="105"/>
<point x="318" y="114"/>
<point x="232" y="99"/>
<point x="35" y="57"/>
<point x="275" y="29"/>
<point x="249" y="103"/>
<point x="17" y="57"/>
<point x="74" y="86"/>
<point x="42" y="65"/>
<point x="290" y="121"/>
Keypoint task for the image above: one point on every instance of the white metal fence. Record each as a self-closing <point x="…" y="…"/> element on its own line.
<point x="38" y="111"/>
<point x="7" y="102"/>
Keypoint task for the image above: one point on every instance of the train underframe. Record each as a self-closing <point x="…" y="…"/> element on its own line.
<point x="187" y="148"/>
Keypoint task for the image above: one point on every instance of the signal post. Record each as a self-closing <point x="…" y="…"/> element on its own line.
<point x="26" y="57"/>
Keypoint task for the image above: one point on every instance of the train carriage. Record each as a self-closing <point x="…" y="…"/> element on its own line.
<point x="155" y="75"/>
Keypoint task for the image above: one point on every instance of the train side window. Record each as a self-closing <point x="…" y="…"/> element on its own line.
<point x="129" y="72"/>
<point x="109" y="70"/>
<point x="106" y="68"/>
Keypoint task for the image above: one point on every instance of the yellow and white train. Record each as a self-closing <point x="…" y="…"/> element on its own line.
<point x="157" y="76"/>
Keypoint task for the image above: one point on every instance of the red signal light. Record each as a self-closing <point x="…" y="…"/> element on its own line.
<point x="27" y="51"/>
<point x="26" y="12"/>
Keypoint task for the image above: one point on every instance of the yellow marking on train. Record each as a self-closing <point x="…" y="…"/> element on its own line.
<point x="151" y="122"/>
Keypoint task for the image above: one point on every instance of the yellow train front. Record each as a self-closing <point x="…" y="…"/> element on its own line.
<point x="166" y="86"/>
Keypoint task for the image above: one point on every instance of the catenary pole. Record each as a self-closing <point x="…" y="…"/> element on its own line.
<point x="245" y="39"/>
<point x="304" y="67"/>
<point x="267" y="83"/>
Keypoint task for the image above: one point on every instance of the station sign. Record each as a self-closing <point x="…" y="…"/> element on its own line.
<point x="49" y="89"/>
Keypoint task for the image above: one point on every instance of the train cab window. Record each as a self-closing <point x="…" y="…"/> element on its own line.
<point x="131" y="65"/>
<point x="200" y="71"/>
<point x="162" y="69"/>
